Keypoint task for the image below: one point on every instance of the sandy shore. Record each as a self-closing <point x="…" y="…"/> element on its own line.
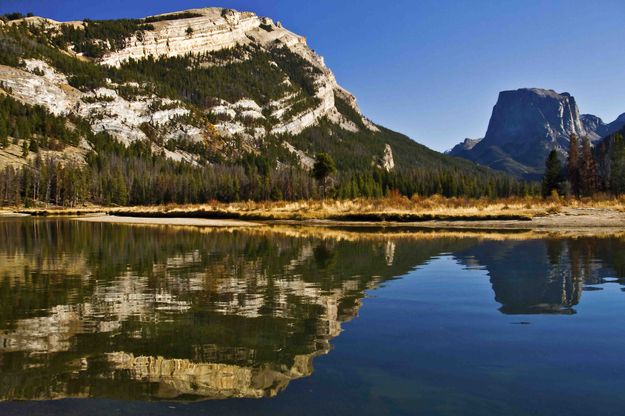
<point x="10" y="214"/>
<point x="568" y="220"/>
<point x="200" y="222"/>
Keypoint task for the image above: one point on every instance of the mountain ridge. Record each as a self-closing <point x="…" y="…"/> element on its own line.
<point x="207" y="39"/>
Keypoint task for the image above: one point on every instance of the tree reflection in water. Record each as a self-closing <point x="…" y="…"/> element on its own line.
<point x="139" y="312"/>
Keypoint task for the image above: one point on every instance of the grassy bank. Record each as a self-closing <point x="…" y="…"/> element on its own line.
<point x="393" y="209"/>
<point x="396" y="209"/>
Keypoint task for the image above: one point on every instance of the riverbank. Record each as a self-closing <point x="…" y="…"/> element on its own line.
<point x="434" y="212"/>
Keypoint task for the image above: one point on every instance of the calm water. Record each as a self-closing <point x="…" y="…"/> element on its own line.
<point x="105" y="319"/>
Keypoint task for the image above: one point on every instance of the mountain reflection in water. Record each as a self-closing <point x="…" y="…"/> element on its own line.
<point x="546" y="276"/>
<point x="132" y="312"/>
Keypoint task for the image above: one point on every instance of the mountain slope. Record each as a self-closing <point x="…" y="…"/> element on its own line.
<point x="526" y="124"/>
<point x="194" y="105"/>
<point x="199" y="85"/>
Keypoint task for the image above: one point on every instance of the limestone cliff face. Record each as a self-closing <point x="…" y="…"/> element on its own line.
<point x="239" y="125"/>
<point x="387" y="162"/>
<point x="526" y="124"/>
<point x="40" y="84"/>
<point x="216" y="29"/>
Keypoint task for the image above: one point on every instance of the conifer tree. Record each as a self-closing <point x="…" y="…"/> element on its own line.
<point x="553" y="174"/>
<point x="573" y="164"/>
<point x="616" y="180"/>
<point x="324" y="167"/>
<point x="588" y="170"/>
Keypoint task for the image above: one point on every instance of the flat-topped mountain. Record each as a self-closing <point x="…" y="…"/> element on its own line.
<point x="526" y="124"/>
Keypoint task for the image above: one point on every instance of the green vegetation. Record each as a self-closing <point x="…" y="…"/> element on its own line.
<point x="171" y="16"/>
<point x="324" y="167"/>
<point x="204" y="78"/>
<point x="611" y="163"/>
<point x="589" y="171"/>
<point x="34" y="124"/>
<point x="97" y="37"/>
<point x="616" y="173"/>
<point x="299" y="70"/>
<point x="552" y="181"/>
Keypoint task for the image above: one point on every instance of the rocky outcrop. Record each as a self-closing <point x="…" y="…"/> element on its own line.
<point x="50" y="90"/>
<point x="387" y="162"/>
<point x="526" y="124"/>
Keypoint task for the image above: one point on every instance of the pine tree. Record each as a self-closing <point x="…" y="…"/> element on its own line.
<point x="616" y="181"/>
<point x="573" y="164"/>
<point x="25" y="149"/>
<point x="324" y="167"/>
<point x="588" y="170"/>
<point x="553" y="174"/>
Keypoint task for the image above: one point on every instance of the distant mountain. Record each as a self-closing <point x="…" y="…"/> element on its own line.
<point x="526" y="124"/>
<point x="464" y="146"/>
<point x="596" y="125"/>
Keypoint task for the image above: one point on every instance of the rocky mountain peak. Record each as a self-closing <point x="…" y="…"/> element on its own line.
<point x="526" y="124"/>
<point x="466" y="144"/>
<point x="534" y="114"/>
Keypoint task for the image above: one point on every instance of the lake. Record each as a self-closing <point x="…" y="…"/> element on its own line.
<point x="106" y="319"/>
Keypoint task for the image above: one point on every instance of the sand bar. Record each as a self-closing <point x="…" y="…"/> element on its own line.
<point x="200" y="222"/>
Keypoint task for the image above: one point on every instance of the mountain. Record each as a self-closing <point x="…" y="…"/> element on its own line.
<point x="464" y="146"/>
<point x="201" y="86"/>
<point x="526" y="124"/>
<point x="600" y="129"/>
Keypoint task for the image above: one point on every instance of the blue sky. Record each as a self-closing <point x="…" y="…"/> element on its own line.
<point x="432" y="69"/>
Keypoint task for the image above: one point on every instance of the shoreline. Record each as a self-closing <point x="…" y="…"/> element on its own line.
<point x="565" y="218"/>
<point x="575" y="220"/>
<point x="198" y="222"/>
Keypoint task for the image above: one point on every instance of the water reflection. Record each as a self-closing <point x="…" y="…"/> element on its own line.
<point x="101" y="310"/>
<point x="547" y="276"/>
<point x="126" y="312"/>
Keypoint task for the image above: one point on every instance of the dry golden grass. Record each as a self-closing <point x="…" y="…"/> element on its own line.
<point x="390" y="208"/>
<point x="393" y="208"/>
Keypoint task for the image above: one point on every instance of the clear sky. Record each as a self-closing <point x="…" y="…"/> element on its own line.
<point x="432" y="68"/>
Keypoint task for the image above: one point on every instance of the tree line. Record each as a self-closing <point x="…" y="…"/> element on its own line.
<point x="588" y="171"/>
<point x="115" y="174"/>
<point x="133" y="175"/>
